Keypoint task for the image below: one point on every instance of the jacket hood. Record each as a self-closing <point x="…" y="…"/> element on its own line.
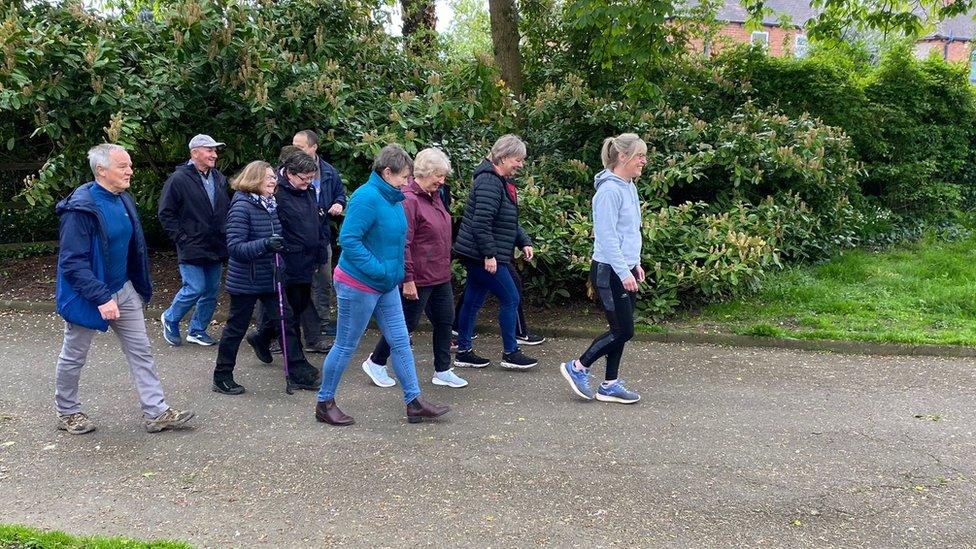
<point x="607" y="175"/>
<point x="389" y="192"/>
<point x="80" y="199"/>
<point x="487" y="167"/>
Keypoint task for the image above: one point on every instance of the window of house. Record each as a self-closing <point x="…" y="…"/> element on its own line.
<point x="972" y="67"/>
<point x="801" y="46"/>
<point x="759" y="37"/>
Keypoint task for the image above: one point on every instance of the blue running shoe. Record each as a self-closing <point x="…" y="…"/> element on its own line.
<point x="617" y="393"/>
<point x="578" y="381"/>
<point x="171" y="331"/>
<point x="200" y="338"/>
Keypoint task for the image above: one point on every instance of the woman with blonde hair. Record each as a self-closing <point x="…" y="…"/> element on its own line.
<point x="615" y="270"/>
<point x="253" y="238"/>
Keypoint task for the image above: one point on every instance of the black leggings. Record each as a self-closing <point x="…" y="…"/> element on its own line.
<point x="618" y="305"/>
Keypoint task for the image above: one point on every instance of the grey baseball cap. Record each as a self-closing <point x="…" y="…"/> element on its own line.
<point x="203" y="140"/>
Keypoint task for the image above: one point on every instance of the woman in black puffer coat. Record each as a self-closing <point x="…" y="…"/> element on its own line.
<point x="486" y="241"/>
<point x="253" y="237"/>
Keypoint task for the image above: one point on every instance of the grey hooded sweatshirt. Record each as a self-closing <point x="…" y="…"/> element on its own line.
<point x="616" y="223"/>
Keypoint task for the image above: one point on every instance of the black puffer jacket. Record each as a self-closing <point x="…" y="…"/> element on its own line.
<point x="490" y="226"/>
<point x="301" y="219"/>
<point x="191" y="223"/>
<point x="250" y="269"/>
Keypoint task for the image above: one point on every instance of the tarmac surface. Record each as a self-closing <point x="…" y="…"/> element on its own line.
<point x="736" y="447"/>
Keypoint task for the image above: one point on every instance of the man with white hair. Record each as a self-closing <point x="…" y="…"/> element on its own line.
<point x="193" y="211"/>
<point x="103" y="280"/>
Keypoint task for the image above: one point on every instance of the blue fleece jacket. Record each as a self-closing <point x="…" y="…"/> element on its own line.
<point x="373" y="235"/>
<point x="616" y="223"/>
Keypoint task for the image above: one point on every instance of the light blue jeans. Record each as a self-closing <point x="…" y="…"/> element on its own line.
<point x="201" y="283"/>
<point x="354" y="311"/>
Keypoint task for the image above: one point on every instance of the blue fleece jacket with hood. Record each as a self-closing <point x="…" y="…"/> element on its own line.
<point x="373" y="235"/>
<point x="616" y="223"/>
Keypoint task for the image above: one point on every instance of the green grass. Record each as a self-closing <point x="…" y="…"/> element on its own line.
<point x="21" y="537"/>
<point x="923" y="292"/>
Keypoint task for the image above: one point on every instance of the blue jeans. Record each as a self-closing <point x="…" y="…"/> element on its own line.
<point x="480" y="284"/>
<point x="200" y="286"/>
<point x="354" y="311"/>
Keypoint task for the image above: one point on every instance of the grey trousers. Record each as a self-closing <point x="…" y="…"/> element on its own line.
<point x="130" y="328"/>
<point x="317" y="318"/>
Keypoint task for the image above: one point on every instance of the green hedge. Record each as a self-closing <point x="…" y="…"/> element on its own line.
<point x="739" y="179"/>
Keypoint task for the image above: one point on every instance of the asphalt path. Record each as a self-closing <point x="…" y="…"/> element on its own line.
<point x="735" y="447"/>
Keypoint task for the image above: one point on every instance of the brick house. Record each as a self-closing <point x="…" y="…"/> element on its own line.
<point x="782" y="32"/>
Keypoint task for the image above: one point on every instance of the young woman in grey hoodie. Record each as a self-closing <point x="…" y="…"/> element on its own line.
<point x="615" y="270"/>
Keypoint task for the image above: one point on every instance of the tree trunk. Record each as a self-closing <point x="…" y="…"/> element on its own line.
<point x="419" y="25"/>
<point x="505" y="39"/>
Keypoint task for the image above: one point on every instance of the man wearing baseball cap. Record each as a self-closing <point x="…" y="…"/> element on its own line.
<point x="193" y="211"/>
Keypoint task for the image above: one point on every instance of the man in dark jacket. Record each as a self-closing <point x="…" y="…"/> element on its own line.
<point x="193" y="211"/>
<point x="304" y="247"/>
<point x="103" y="280"/>
<point x="331" y="195"/>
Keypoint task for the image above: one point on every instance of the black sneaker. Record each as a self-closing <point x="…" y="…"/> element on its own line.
<point x="517" y="361"/>
<point x="467" y="359"/>
<point x="530" y="339"/>
<point x="227" y="387"/>
<point x="261" y="351"/>
<point x="275" y="347"/>
<point x="320" y="347"/>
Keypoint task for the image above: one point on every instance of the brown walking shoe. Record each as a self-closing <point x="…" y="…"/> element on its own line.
<point x="328" y="412"/>
<point x="77" y="423"/>
<point x="418" y="409"/>
<point x="170" y="419"/>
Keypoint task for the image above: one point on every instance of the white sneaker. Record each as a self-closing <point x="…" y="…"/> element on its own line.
<point x="448" y="378"/>
<point x="377" y="374"/>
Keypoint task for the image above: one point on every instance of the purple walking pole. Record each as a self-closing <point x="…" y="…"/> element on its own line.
<point x="281" y="316"/>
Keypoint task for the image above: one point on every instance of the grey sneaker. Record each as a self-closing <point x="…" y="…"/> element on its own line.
<point x="77" y="423"/>
<point x="170" y="419"/>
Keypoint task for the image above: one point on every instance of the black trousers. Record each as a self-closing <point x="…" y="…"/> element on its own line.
<point x="438" y="302"/>
<point x="298" y="297"/>
<point x="521" y="328"/>
<point x="241" y="308"/>
<point x="618" y="305"/>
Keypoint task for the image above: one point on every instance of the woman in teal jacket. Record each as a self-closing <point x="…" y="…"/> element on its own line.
<point x="367" y="283"/>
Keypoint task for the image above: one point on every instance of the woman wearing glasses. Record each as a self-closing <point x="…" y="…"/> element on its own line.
<point x="253" y="237"/>
<point x="304" y="246"/>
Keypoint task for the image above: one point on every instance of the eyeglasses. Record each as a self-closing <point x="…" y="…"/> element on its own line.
<point x="305" y="178"/>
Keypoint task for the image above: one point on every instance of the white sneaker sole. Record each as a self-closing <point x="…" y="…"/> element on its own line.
<point x="605" y="398"/>
<point x="193" y="339"/>
<point x="511" y="366"/>
<point x="530" y="343"/>
<point x="562" y="370"/>
<point x="376" y="381"/>
<point x="438" y="381"/>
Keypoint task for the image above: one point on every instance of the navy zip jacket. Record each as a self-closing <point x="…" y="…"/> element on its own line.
<point x="83" y="248"/>
<point x="331" y="191"/>
<point x="250" y="269"/>
<point x="301" y="219"/>
<point x="490" y="227"/>
<point x="197" y="229"/>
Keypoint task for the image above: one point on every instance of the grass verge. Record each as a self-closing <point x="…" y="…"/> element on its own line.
<point x="923" y="292"/>
<point x="22" y="537"/>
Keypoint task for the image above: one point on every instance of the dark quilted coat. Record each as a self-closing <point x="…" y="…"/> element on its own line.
<point x="490" y="226"/>
<point x="250" y="269"/>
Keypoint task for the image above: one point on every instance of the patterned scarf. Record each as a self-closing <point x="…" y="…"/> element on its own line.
<point x="268" y="202"/>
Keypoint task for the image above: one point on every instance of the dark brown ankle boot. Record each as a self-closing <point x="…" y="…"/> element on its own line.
<point x="418" y="409"/>
<point x="328" y="412"/>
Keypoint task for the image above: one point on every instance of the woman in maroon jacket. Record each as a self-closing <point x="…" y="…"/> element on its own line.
<point x="427" y="266"/>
